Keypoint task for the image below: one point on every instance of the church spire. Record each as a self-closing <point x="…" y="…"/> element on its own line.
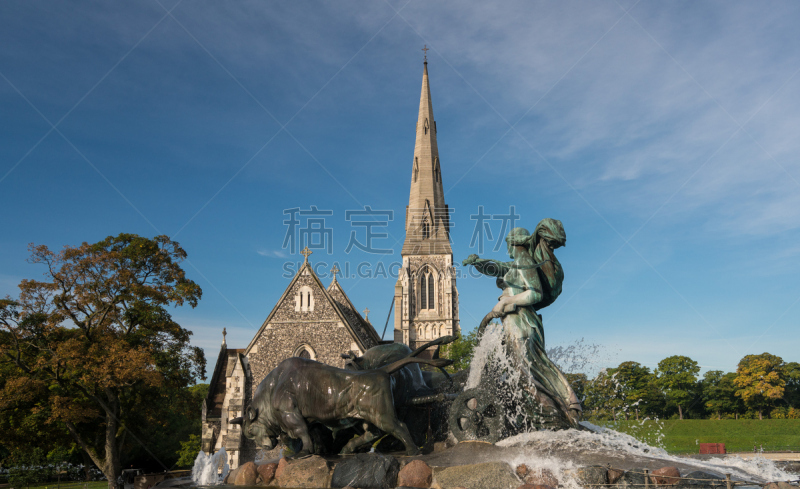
<point x="427" y="216"/>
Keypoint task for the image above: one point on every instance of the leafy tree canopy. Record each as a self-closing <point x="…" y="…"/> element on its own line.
<point x="86" y="342"/>
<point x="677" y="377"/>
<point x="760" y="381"/>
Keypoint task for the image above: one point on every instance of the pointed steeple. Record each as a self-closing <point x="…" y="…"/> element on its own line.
<point x="427" y="216"/>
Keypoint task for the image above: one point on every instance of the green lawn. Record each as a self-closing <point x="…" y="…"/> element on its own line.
<point x="678" y="436"/>
<point x="71" y="485"/>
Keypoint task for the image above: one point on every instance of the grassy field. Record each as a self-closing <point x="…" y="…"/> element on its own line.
<point x="678" y="436"/>
<point x="71" y="485"/>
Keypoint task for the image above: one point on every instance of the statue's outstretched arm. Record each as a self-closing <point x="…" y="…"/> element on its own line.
<point x="492" y="268"/>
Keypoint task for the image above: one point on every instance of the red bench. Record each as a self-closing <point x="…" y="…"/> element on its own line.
<point x="712" y="448"/>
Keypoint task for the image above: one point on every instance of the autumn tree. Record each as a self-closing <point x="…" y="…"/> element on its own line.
<point x="760" y="381"/>
<point x="95" y="334"/>
<point x="677" y="377"/>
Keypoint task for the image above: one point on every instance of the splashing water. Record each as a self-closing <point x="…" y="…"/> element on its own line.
<point x="499" y="360"/>
<point x="206" y="469"/>
<point x="580" y="356"/>
<point x="604" y="441"/>
<point x="492" y="352"/>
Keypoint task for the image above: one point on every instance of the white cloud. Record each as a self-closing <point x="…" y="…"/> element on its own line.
<point x="271" y="253"/>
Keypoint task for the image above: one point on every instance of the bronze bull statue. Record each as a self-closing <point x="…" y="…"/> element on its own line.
<point x="300" y="391"/>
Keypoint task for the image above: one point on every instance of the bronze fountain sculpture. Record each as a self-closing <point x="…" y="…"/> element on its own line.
<point x="520" y="388"/>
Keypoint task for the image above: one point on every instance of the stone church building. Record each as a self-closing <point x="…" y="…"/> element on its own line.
<point x="320" y="323"/>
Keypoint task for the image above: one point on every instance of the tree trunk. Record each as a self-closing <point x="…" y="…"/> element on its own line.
<point x="637" y="414"/>
<point x="680" y="412"/>
<point x="87" y="466"/>
<point x="759" y="415"/>
<point x="112" y="466"/>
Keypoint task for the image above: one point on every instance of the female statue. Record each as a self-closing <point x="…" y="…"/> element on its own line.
<point x="530" y="282"/>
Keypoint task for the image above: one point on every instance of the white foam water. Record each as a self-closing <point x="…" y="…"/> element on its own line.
<point x="603" y="440"/>
<point x="210" y="470"/>
<point x="492" y="351"/>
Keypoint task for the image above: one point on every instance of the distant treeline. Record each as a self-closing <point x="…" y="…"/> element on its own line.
<point x="762" y="386"/>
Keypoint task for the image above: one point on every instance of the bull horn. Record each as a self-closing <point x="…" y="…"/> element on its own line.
<point x="239" y="421"/>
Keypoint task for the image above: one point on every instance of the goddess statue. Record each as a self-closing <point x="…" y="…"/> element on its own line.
<point x="529" y="283"/>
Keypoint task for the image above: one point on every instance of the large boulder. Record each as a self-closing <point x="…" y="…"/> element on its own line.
<point x="490" y="475"/>
<point x="700" y="478"/>
<point x="246" y="475"/>
<point x="304" y="473"/>
<point x="266" y="472"/>
<point x="592" y="475"/>
<point x="281" y="468"/>
<point x="231" y="476"/>
<point x="779" y="485"/>
<point x="366" y="471"/>
<point x="536" y="477"/>
<point x="665" y="476"/>
<point x="415" y="474"/>
<point x="614" y="475"/>
<point x="633" y="479"/>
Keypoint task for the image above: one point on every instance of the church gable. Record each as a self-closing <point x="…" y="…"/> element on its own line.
<point x="305" y="322"/>
<point x="305" y="300"/>
<point x="363" y="329"/>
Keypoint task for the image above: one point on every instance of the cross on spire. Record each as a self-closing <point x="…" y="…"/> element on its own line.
<point x="366" y="313"/>
<point x="425" y="50"/>
<point x="334" y="271"/>
<point x="305" y="253"/>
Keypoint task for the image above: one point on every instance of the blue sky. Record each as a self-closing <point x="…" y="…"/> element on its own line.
<point x="662" y="134"/>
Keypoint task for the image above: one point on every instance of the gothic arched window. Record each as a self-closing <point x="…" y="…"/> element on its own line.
<point x="423" y="292"/>
<point x="305" y="351"/>
<point x="431" y="296"/>
<point x="426" y="230"/>
<point x="426" y="290"/>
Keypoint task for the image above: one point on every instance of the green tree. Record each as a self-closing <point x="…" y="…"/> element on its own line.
<point x="632" y="380"/>
<point x="602" y="397"/>
<point x="28" y="468"/>
<point x="579" y="383"/>
<point x="460" y="351"/>
<point x="791" y="392"/>
<point x="87" y="341"/>
<point x="719" y="393"/>
<point x="189" y="450"/>
<point x="760" y="381"/>
<point x="677" y="378"/>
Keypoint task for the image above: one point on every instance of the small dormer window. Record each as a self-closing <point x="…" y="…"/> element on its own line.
<point x="425" y="126"/>
<point x="304" y="299"/>
<point x="416" y="168"/>
<point x="436" y="172"/>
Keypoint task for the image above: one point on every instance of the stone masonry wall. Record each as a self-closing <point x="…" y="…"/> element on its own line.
<point x="288" y="329"/>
